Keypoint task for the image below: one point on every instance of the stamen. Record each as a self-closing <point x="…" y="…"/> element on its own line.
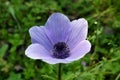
<point x="61" y="50"/>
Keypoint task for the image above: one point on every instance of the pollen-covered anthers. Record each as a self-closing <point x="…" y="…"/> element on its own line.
<point x="61" y="50"/>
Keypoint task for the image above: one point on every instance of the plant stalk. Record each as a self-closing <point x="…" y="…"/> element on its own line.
<point x="59" y="71"/>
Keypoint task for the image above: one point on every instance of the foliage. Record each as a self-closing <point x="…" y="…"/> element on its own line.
<point x="17" y="16"/>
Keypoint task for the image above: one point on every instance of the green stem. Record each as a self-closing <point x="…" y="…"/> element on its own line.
<point x="59" y="71"/>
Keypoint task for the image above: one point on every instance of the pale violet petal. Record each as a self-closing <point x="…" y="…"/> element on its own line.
<point x="79" y="32"/>
<point x="55" y="61"/>
<point x="80" y="50"/>
<point x="37" y="51"/>
<point x="38" y="35"/>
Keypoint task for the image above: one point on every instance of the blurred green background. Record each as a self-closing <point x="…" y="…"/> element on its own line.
<point x="17" y="16"/>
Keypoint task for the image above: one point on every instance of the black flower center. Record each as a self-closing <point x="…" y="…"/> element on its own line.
<point x="61" y="50"/>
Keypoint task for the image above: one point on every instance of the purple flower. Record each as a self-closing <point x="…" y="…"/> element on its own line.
<point x="59" y="41"/>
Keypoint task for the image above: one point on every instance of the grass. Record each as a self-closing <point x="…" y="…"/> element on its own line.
<point x="101" y="63"/>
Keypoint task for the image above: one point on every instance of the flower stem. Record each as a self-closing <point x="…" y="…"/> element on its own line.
<point x="59" y="71"/>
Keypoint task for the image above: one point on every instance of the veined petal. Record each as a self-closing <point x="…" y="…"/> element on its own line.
<point x="80" y="50"/>
<point x="79" y="32"/>
<point x="36" y="51"/>
<point x="58" y="28"/>
<point x="38" y="35"/>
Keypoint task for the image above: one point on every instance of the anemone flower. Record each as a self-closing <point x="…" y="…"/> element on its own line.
<point x="59" y="41"/>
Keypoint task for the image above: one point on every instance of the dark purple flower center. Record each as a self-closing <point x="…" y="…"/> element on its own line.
<point x="61" y="50"/>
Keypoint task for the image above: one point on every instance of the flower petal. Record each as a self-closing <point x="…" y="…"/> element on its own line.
<point x="79" y="32"/>
<point x="36" y="51"/>
<point x="80" y="50"/>
<point x="38" y="35"/>
<point x="58" y="28"/>
<point x="55" y="60"/>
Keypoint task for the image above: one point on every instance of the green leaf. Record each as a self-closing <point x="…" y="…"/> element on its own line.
<point x="3" y="50"/>
<point x="14" y="76"/>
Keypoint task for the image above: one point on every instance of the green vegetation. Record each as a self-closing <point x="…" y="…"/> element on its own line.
<point x="17" y="16"/>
